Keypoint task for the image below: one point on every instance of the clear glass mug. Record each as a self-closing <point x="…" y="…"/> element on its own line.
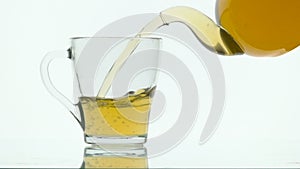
<point x="120" y="114"/>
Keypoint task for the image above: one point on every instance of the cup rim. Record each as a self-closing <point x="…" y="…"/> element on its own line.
<point x="114" y="37"/>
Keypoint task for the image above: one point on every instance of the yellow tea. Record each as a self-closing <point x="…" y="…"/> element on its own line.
<point x="115" y="117"/>
<point x="212" y="36"/>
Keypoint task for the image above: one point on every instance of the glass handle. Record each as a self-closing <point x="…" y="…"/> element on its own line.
<point x="44" y="69"/>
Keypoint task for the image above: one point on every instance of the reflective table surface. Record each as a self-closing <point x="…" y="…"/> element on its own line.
<point x="215" y="153"/>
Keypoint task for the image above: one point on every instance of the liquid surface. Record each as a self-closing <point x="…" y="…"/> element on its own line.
<point x="115" y="162"/>
<point x="209" y="34"/>
<point x="261" y="27"/>
<point x="124" y="116"/>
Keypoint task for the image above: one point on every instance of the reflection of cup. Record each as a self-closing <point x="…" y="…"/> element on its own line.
<point x="120" y="114"/>
<point x="115" y="156"/>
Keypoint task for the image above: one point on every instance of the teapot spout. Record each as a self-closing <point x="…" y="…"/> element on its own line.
<point x="211" y="35"/>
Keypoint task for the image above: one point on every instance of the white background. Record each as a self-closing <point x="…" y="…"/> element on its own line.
<point x="260" y="123"/>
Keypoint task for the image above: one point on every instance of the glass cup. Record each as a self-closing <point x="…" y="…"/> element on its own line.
<point x="114" y="81"/>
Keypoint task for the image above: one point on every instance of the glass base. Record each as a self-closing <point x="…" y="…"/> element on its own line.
<point x="109" y="150"/>
<point x="115" y="140"/>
